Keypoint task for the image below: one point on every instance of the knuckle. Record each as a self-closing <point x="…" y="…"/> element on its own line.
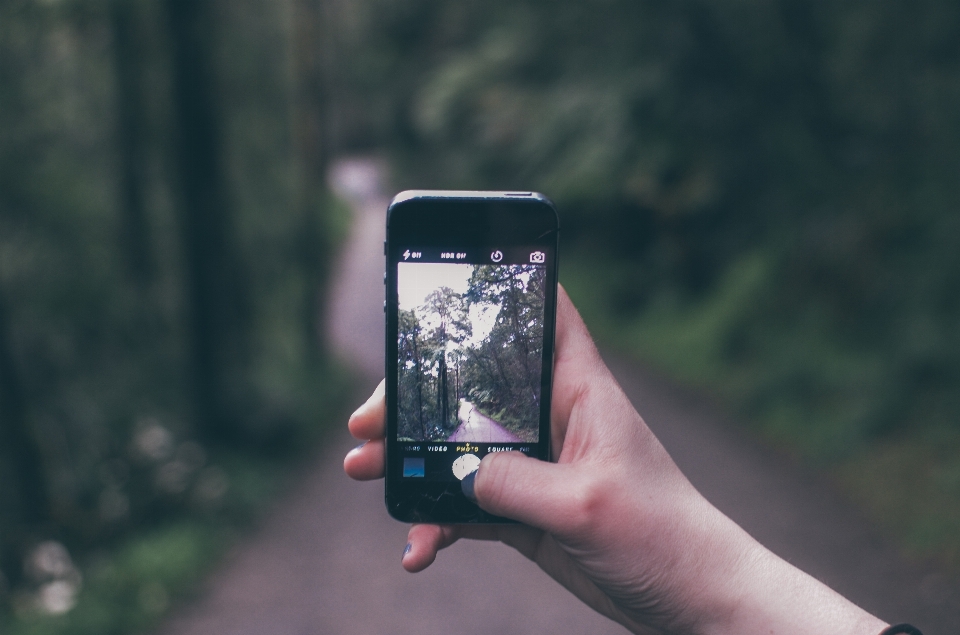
<point x="589" y="502"/>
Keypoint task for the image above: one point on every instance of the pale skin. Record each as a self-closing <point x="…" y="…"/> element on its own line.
<point x="616" y="522"/>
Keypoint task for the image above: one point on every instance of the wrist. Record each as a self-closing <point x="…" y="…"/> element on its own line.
<point x="769" y="596"/>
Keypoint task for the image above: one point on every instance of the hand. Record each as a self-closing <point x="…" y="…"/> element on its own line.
<point x="616" y="522"/>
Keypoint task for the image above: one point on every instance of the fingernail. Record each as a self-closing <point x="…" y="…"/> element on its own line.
<point x="467" y="486"/>
<point x="406" y="550"/>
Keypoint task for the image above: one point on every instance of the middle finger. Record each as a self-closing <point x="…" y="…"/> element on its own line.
<point x="369" y="420"/>
<point x="365" y="462"/>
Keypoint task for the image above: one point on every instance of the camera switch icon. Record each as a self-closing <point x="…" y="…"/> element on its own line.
<point x="538" y="257"/>
<point x="496" y="256"/>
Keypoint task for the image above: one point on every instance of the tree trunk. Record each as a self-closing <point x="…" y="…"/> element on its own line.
<point x="443" y="395"/>
<point x="416" y="355"/>
<point x="19" y="451"/>
<point x="215" y="291"/>
<point x="310" y="138"/>
<point x="131" y="145"/>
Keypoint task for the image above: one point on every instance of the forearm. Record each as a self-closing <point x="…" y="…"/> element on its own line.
<point x="718" y="580"/>
<point x="784" y="600"/>
<point x="769" y="596"/>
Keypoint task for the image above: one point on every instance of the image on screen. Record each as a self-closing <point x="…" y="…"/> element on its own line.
<point x="470" y="345"/>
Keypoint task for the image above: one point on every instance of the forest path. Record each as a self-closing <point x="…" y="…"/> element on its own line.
<point x="327" y="559"/>
<point x="477" y="427"/>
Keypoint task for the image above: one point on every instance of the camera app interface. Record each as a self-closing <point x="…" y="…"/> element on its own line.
<point x="470" y="352"/>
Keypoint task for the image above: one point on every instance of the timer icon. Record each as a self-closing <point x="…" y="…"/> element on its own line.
<point x="496" y="256"/>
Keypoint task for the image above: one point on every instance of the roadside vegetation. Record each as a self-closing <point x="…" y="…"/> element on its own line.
<point x="163" y="249"/>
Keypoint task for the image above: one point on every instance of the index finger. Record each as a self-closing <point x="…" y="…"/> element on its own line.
<point x="576" y="362"/>
<point x="369" y="420"/>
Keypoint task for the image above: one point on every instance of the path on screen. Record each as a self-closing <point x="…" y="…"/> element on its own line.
<point x="479" y="428"/>
<point x="327" y="559"/>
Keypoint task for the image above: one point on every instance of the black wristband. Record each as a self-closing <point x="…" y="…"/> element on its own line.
<point x="901" y="629"/>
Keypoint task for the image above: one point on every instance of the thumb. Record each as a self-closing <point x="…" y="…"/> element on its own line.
<point x="513" y="485"/>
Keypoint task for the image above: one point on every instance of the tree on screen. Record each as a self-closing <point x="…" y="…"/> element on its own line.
<point x="440" y="364"/>
<point x="504" y="370"/>
<point x="410" y="386"/>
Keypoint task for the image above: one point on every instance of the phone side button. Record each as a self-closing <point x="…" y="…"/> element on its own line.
<point x="384" y="306"/>
<point x="384" y="248"/>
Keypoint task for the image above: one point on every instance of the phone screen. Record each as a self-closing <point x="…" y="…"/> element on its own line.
<point x="472" y="337"/>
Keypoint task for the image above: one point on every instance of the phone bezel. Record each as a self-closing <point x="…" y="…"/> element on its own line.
<point x="461" y="219"/>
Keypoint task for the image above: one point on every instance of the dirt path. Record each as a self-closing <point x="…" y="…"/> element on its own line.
<point x="327" y="560"/>
<point x="479" y="428"/>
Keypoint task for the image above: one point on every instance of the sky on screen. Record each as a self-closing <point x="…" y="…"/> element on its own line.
<point x="415" y="281"/>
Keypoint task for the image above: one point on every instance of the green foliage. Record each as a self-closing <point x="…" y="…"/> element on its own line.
<point x="129" y="584"/>
<point x="888" y="476"/>
<point x="127" y="591"/>
<point x="103" y="455"/>
<point x="504" y="373"/>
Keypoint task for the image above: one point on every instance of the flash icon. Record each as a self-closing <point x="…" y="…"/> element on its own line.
<point x="406" y="255"/>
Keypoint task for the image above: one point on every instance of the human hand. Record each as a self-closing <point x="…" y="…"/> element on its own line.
<point x="616" y="522"/>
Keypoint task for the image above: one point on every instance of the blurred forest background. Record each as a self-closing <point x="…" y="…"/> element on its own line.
<point x="758" y="198"/>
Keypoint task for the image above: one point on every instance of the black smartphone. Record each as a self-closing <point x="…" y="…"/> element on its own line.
<point x="471" y="282"/>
